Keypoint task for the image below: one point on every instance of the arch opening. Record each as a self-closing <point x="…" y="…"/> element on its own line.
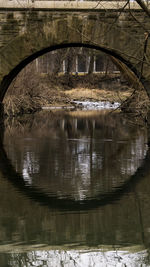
<point x="131" y="72"/>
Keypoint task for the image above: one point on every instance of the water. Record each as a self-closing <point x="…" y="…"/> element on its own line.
<point x="74" y="191"/>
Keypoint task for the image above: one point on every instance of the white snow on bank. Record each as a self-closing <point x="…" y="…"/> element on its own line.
<point x="89" y="105"/>
<point x="82" y="258"/>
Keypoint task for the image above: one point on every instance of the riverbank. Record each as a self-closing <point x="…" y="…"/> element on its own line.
<point x="14" y="105"/>
<point x="30" y="95"/>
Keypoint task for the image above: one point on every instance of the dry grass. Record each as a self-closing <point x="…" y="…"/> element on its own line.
<point x="14" y="105"/>
<point x="98" y="95"/>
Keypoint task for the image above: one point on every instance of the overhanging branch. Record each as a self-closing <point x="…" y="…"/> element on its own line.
<point x="143" y="6"/>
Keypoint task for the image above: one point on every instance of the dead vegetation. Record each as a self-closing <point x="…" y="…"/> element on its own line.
<point x="20" y="105"/>
<point x="137" y="106"/>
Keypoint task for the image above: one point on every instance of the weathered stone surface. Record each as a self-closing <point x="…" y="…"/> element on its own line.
<point x="26" y="33"/>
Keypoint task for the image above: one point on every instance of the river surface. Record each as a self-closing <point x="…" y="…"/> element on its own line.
<point x="75" y="191"/>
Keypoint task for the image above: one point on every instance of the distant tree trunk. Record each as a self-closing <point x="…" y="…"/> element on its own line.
<point x="69" y="58"/>
<point x="58" y="61"/>
<point x="91" y="64"/>
<point x="107" y="66"/>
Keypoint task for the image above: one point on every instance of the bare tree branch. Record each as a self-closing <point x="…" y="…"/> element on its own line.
<point x="143" y="6"/>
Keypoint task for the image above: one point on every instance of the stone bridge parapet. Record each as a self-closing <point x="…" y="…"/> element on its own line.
<point x="85" y="5"/>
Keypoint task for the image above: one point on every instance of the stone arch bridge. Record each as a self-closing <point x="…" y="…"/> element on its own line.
<point x="30" y="28"/>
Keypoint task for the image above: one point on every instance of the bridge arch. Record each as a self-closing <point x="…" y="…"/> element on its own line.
<point x="47" y="31"/>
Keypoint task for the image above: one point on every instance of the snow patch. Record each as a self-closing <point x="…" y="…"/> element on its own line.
<point x="98" y="105"/>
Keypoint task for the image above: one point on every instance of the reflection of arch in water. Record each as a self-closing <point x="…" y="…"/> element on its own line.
<point x="99" y="161"/>
<point x="39" y="196"/>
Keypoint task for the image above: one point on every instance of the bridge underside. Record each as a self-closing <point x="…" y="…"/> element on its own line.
<point x="25" y="35"/>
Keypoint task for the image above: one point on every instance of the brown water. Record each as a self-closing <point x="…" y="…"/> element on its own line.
<point x="74" y="191"/>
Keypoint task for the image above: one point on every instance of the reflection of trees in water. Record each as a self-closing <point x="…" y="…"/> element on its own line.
<point x="138" y="152"/>
<point x="30" y="166"/>
<point x="79" y="155"/>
